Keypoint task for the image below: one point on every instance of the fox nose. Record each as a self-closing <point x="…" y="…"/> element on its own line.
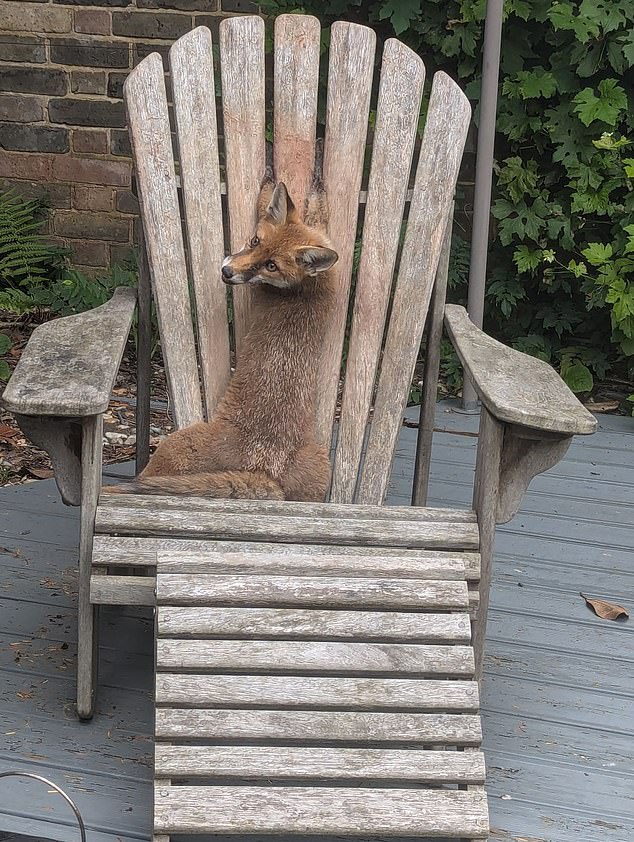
<point x="227" y="272"/>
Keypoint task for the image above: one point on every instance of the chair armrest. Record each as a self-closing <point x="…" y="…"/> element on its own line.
<point x="69" y="365"/>
<point x="515" y="387"/>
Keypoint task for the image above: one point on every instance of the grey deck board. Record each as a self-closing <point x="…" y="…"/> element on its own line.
<point x="558" y="700"/>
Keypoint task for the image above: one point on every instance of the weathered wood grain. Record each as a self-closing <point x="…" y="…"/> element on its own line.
<point x="350" y="71"/>
<point x="485" y="502"/>
<point x="69" y="365"/>
<point x="318" y="657"/>
<point x="538" y="399"/>
<point x="61" y="438"/>
<point x="283" y="507"/>
<point x="294" y="624"/>
<point x="320" y="810"/>
<point x="273" y="763"/>
<point x="113" y="550"/>
<point x="390" y="567"/>
<point x="148" y="120"/>
<point x="296" y="78"/>
<point x="356" y="726"/>
<point x="319" y="591"/>
<point x="187" y="524"/>
<point x="242" y="78"/>
<point x="522" y="459"/>
<point x="429" y="394"/>
<point x="87" y="613"/>
<point x="436" y="175"/>
<point x="398" y="109"/>
<point x="123" y="590"/>
<point x="192" y="71"/>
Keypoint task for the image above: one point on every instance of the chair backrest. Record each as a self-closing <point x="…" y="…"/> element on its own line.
<point x="381" y="353"/>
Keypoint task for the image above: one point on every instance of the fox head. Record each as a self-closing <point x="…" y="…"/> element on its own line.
<point x="283" y="252"/>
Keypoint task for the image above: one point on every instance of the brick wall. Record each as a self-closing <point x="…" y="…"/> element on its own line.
<point x="62" y="121"/>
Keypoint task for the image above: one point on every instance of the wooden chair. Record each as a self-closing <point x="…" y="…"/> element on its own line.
<point x="285" y="626"/>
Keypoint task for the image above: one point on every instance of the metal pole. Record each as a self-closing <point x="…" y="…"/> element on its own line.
<point x="484" y="174"/>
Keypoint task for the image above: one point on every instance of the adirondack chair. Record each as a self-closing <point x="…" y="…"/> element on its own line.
<point x="283" y="624"/>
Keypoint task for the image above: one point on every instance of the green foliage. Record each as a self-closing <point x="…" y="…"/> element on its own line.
<point x="25" y="256"/>
<point x="561" y="278"/>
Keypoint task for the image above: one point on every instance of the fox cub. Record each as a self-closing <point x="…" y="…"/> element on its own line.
<point x="260" y="444"/>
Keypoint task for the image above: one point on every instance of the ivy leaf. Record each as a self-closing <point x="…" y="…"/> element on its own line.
<point x="628" y="47"/>
<point x="5" y="371"/>
<point x="562" y="16"/>
<point x="519" y="178"/>
<point x="578" y="269"/>
<point x="629" y="230"/>
<point x="400" y="13"/>
<point x="527" y="259"/>
<point x="5" y="343"/>
<point x="606" y="107"/>
<point x="577" y="376"/>
<point x="597" y="253"/>
<point x="536" y="83"/>
<point x="548" y="255"/>
<point x="520" y="8"/>
<point x="629" y="167"/>
<point x="607" y="141"/>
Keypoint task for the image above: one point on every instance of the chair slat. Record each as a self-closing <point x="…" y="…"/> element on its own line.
<point x="348" y="695"/>
<point x="311" y="591"/>
<point x="242" y="77"/>
<point x="311" y="624"/>
<point x="148" y="119"/>
<point x="320" y="810"/>
<point x="295" y="763"/>
<point x="296" y="79"/>
<point x="352" y="49"/>
<point x="398" y="109"/>
<point x="441" y="152"/>
<point x="191" y="64"/>
<point x="317" y="657"/>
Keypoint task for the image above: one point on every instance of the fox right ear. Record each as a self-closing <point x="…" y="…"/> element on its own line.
<point x="278" y="206"/>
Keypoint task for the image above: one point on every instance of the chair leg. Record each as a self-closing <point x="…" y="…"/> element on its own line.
<point x="485" y="501"/>
<point x="88" y="627"/>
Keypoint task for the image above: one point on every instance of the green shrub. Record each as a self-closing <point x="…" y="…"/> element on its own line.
<point x="561" y="270"/>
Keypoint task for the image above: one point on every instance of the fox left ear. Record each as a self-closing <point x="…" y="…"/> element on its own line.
<point x="315" y="259"/>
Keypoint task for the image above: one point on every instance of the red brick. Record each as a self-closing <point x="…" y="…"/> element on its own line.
<point x="88" y="252"/>
<point x="31" y="18"/>
<point x="85" y="140"/>
<point x="29" y="166"/>
<point x="93" y="198"/>
<point x="21" y="109"/>
<point x="92" y="226"/>
<point x="92" y="21"/>
<point x="122" y="254"/>
<point x="88" y="82"/>
<point x="89" y="170"/>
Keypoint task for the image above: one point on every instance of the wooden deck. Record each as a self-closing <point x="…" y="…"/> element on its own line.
<point x="559" y="688"/>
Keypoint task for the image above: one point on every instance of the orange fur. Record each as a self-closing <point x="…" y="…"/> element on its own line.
<point x="260" y="444"/>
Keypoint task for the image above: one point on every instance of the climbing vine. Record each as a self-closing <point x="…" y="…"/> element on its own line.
<point x="561" y="278"/>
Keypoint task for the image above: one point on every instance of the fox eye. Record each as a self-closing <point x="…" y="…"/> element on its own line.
<point x="270" y="266"/>
<point x="254" y="241"/>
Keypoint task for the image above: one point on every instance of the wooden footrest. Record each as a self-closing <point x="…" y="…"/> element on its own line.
<point x="315" y="699"/>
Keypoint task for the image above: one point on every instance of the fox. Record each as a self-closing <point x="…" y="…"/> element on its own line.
<point x="260" y="444"/>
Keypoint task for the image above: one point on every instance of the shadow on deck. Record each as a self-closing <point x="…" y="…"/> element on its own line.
<point x="558" y="700"/>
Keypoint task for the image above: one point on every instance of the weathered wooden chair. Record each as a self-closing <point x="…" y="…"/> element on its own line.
<point x="284" y="626"/>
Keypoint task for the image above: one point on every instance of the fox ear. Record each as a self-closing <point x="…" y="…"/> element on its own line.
<point x="278" y="208"/>
<point x="315" y="259"/>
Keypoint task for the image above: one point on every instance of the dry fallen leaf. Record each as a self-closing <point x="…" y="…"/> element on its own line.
<point x="41" y="473"/>
<point x="604" y="609"/>
<point x="602" y="406"/>
<point x="7" y="432"/>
